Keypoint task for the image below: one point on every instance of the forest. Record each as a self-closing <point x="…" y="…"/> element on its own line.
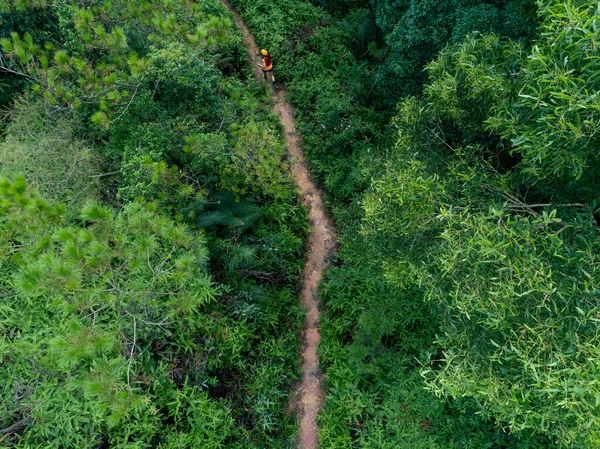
<point x="153" y="240"/>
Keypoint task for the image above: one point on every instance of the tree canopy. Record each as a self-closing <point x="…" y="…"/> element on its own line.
<point x="152" y="239"/>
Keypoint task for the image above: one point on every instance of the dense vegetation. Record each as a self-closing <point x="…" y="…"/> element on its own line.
<point x="461" y="310"/>
<point x="152" y="239"/>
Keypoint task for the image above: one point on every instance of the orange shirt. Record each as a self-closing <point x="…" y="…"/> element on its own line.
<point x="266" y="63"/>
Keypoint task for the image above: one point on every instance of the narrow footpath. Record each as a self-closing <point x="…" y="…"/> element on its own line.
<point x="308" y="398"/>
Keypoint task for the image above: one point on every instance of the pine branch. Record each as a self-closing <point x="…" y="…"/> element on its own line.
<point x="4" y="68"/>
<point x="263" y="275"/>
<point x="128" y="104"/>
<point x="101" y="175"/>
<point x="131" y="353"/>
<point x="17" y="426"/>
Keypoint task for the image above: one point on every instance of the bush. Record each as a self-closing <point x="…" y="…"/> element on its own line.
<point x="44" y="148"/>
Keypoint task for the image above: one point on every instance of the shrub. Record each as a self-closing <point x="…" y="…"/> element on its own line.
<point x="45" y="149"/>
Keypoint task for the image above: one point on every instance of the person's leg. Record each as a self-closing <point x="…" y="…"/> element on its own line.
<point x="265" y="75"/>
<point x="273" y="78"/>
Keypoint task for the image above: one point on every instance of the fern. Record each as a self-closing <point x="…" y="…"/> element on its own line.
<point x="222" y="209"/>
<point x="213" y="218"/>
<point x="241" y="257"/>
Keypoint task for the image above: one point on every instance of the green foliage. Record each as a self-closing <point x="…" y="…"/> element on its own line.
<point x="460" y="311"/>
<point x="115" y="328"/>
<point x="87" y="327"/>
<point x="144" y="168"/>
<point x="519" y="333"/>
<point x="274" y="24"/>
<point x="327" y="84"/>
<point x="469" y="244"/>
<point x="415" y="31"/>
<point x="372" y="334"/>
<point x="203" y="422"/>
<point x="223" y="209"/>
<point x="121" y="327"/>
<point x="257" y="161"/>
<point x="340" y="7"/>
<point x="61" y="167"/>
<point x="553" y="124"/>
<point x="10" y="85"/>
<point x="185" y="84"/>
<point x="468" y="81"/>
<point x="96" y="70"/>
<point x="511" y="274"/>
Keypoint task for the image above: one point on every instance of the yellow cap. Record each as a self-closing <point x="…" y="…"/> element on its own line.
<point x="264" y="52"/>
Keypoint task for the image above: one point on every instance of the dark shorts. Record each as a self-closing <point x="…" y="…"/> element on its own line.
<point x="270" y="70"/>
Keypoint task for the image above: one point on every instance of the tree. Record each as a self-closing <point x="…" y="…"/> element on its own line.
<point x="84" y="306"/>
<point x="417" y="30"/>
<point x="511" y="270"/>
<point x="519" y="333"/>
<point x="96" y="70"/>
<point x="554" y="123"/>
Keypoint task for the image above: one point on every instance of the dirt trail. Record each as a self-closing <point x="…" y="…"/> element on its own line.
<point x="308" y="398"/>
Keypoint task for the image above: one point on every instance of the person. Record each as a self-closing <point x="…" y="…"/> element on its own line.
<point x="267" y="65"/>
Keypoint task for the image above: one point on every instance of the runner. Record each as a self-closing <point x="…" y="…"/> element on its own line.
<point x="267" y="66"/>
